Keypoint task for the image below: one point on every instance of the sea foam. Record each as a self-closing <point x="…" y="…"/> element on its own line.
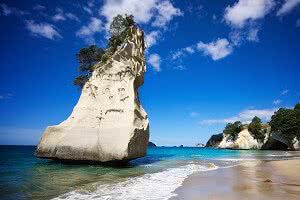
<point x="156" y="186"/>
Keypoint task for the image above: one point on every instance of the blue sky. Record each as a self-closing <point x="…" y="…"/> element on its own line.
<point x="208" y="62"/>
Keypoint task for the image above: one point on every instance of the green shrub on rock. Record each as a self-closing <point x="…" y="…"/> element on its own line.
<point x="232" y="130"/>
<point x="286" y="122"/>
<point x="81" y="80"/>
<point x="89" y="56"/>
<point x="255" y="128"/>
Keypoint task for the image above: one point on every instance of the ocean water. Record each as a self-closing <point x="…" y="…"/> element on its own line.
<point x="154" y="177"/>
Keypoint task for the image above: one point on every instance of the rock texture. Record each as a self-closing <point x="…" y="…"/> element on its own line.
<point x="273" y="144"/>
<point x="296" y="144"/>
<point x="199" y="145"/>
<point x="214" y="140"/>
<point x="244" y="141"/>
<point x="108" y="123"/>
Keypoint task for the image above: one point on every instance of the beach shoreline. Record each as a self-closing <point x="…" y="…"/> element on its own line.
<point x="258" y="179"/>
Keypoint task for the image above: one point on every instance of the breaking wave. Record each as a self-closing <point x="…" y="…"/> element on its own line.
<point x="156" y="186"/>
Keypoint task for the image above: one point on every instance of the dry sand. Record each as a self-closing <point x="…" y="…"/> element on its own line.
<point x="266" y="180"/>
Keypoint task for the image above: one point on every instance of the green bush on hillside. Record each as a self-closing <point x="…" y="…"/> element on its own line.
<point x="255" y="128"/>
<point x="287" y="122"/>
<point x="232" y="130"/>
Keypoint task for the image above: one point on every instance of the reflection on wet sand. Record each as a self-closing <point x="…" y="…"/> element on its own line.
<point x="274" y="180"/>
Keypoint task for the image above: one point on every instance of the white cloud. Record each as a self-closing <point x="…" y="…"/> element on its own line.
<point x="214" y="17"/>
<point x="91" y="3"/>
<point x="87" y="32"/>
<point x="177" y="54"/>
<point x="247" y="10"/>
<point x="180" y="67"/>
<point x="264" y="114"/>
<point x="58" y="17"/>
<point x="284" y="92"/>
<point x="189" y="49"/>
<point x="160" y="11"/>
<point x="287" y="7"/>
<point x="42" y="29"/>
<point x="61" y="16"/>
<point x="151" y="38"/>
<point x="166" y="12"/>
<point x="142" y="10"/>
<point x="182" y="52"/>
<point x="88" y="10"/>
<point x="7" y="11"/>
<point x="39" y="7"/>
<point x="217" y="49"/>
<point x="218" y="121"/>
<point x="253" y="35"/>
<point x="236" y="37"/>
<point x="244" y="116"/>
<point x="277" y="102"/>
<point x="194" y="114"/>
<point x="154" y="60"/>
<point x="72" y="17"/>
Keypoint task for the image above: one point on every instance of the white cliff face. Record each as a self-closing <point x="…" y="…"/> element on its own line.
<point x="244" y="141"/>
<point x="296" y="144"/>
<point x="108" y="123"/>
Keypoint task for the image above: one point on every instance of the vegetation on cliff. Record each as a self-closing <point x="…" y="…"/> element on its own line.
<point x="214" y="140"/>
<point x="256" y="129"/>
<point x="89" y="56"/>
<point x="287" y="122"/>
<point x="232" y="130"/>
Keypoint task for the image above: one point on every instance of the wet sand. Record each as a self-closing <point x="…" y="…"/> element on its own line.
<point x="267" y="180"/>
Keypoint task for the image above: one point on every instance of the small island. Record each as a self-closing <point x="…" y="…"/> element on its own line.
<point x="151" y="144"/>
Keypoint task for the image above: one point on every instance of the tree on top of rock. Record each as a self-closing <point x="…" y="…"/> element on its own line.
<point x="286" y="122"/>
<point x="232" y="130"/>
<point x="87" y="58"/>
<point x="119" y="30"/>
<point x="120" y="24"/>
<point x="255" y="128"/>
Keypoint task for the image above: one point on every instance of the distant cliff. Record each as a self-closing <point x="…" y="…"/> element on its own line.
<point x="214" y="140"/>
<point x="151" y="144"/>
<point x="245" y="140"/>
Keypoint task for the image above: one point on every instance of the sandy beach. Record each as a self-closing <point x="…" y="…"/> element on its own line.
<point x="250" y="180"/>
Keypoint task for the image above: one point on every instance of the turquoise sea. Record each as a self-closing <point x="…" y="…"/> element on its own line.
<point x="156" y="176"/>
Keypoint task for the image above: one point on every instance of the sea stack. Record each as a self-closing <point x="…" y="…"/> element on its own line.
<point x="108" y="123"/>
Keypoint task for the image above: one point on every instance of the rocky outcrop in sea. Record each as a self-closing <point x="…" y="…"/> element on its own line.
<point x="151" y="144"/>
<point x="245" y="140"/>
<point x="214" y="140"/>
<point x="108" y="123"/>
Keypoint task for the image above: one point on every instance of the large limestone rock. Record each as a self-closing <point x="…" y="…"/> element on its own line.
<point x="108" y="123"/>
